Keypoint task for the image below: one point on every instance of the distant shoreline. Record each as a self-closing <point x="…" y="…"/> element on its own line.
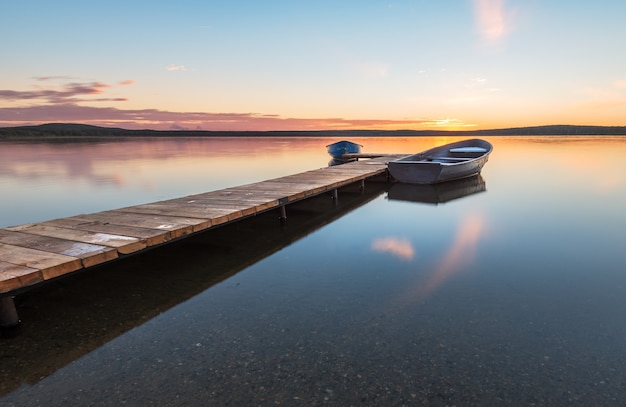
<point x="71" y="131"/>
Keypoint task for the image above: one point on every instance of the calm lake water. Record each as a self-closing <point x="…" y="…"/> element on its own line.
<point x="509" y="289"/>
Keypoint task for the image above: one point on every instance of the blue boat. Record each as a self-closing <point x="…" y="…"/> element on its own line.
<point x="338" y="149"/>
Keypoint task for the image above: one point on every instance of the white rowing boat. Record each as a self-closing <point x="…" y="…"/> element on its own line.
<point x="444" y="163"/>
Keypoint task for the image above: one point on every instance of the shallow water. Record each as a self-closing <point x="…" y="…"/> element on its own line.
<point x="510" y="295"/>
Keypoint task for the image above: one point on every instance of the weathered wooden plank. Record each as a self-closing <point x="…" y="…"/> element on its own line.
<point x="154" y="229"/>
<point x="364" y="171"/>
<point x="246" y="208"/>
<point x="164" y="223"/>
<point x="253" y="198"/>
<point x="325" y="180"/>
<point x="215" y="216"/>
<point x="235" y="199"/>
<point x="348" y="173"/>
<point x="90" y="254"/>
<point x="262" y="197"/>
<point x="124" y="244"/>
<point x="231" y="194"/>
<point x="289" y="190"/>
<point x="254" y="205"/>
<point x="295" y="191"/>
<point x="362" y="155"/>
<point x="13" y="276"/>
<point x="50" y="264"/>
<point x="343" y="176"/>
<point x="321" y="183"/>
<point x="150" y="236"/>
<point x="247" y="204"/>
<point x="271" y="190"/>
<point x="203" y="205"/>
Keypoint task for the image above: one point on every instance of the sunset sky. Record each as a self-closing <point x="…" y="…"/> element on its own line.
<point x="313" y="65"/>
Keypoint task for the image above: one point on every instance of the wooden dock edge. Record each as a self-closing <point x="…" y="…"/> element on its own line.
<point x="33" y="254"/>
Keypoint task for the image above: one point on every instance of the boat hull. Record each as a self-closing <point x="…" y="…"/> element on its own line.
<point x="441" y="164"/>
<point x="338" y="149"/>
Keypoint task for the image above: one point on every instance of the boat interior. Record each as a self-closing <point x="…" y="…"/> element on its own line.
<point x="455" y="155"/>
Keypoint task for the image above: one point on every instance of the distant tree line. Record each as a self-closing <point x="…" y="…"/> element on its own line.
<point x="558" y="130"/>
<point x="63" y="131"/>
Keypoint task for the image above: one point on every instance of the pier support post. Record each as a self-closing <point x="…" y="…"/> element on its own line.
<point x="335" y="196"/>
<point x="362" y="186"/>
<point x="283" y="214"/>
<point x="9" y="321"/>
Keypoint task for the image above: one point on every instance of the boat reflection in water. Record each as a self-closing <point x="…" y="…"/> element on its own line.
<point x="437" y="193"/>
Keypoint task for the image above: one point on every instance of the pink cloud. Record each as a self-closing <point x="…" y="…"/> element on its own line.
<point x="492" y="22"/>
<point x="68" y="93"/>
<point x="164" y="120"/>
<point x="52" y="78"/>
<point x="66" y="103"/>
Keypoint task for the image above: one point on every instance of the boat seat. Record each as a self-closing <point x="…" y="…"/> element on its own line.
<point x="458" y="159"/>
<point x="468" y="150"/>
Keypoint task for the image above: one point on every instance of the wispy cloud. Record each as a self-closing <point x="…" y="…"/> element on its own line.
<point x="367" y="66"/>
<point x="603" y="98"/>
<point x="51" y="78"/>
<point x="176" y="68"/>
<point x="371" y="69"/>
<point x="73" y="92"/>
<point x="492" y="21"/>
<point x="477" y="82"/>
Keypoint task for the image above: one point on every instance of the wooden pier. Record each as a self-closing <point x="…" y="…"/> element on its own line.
<point x="33" y="254"/>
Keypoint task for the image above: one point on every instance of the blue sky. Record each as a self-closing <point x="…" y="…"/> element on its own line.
<point x="263" y="65"/>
